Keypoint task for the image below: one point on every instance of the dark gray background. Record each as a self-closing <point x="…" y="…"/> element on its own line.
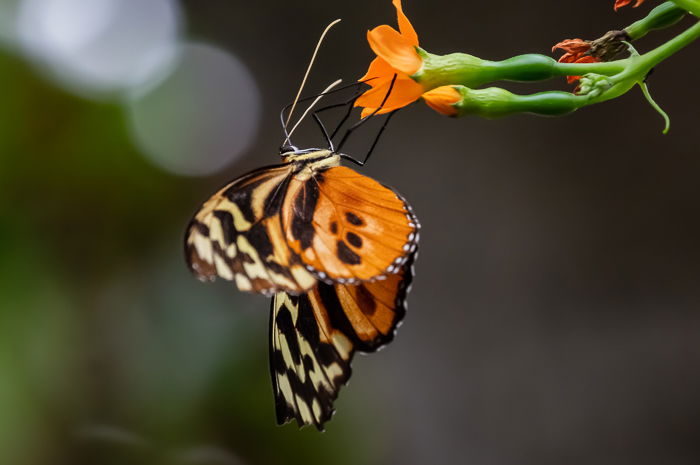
<point x="554" y="317"/>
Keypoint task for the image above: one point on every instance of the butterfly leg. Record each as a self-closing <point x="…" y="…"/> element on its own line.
<point x="323" y="130"/>
<point x="349" y="103"/>
<point x="363" y="121"/>
<point x="376" y="139"/>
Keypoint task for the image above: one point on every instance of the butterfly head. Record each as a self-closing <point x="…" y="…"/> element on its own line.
<point x="287" y="149"/>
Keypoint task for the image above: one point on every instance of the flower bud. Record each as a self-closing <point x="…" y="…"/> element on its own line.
<point x="442" y="99"/>
<point x="593" y="85"/>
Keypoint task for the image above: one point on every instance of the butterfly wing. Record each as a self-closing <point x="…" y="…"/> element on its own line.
<point x="237" y="235"/>
<point x="314" y="336"/>
<point x="347" y="227"/>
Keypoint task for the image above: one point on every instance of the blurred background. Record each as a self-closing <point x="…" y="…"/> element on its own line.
<point x="555" y="313"/>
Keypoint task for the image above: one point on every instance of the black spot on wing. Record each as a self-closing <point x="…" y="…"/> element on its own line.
<point x="346" y="255"/>
<point x="334" y="227"/>
<point x="354" y="219"/>
<point x="354" y="239"/>
<point x="365" y="300"/>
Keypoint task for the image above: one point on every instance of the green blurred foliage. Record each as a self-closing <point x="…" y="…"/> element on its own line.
<point x="110" y="352"/>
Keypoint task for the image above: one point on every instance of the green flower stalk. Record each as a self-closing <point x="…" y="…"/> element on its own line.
<point x="470" y="71"/>
<point x="494" y="102"/>
<point x="452" y="84"/>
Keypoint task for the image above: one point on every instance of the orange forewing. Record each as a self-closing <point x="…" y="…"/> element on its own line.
<point x="347" y="227"/>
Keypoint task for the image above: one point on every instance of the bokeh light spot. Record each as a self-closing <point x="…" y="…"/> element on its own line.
<point x="202" y="117"/>
<point x="100" y="46"/>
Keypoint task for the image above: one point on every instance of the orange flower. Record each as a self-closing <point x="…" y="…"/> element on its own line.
<point x="442" y="99"/>
<point x="576" y="52"/>
<point x="396" y="54"/>
<point x="620" y="3"/>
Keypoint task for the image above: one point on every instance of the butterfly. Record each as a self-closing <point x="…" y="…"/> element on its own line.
<point x="332" y="247"/>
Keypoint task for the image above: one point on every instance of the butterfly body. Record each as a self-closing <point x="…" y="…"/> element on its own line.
<point x="333" y="247"/>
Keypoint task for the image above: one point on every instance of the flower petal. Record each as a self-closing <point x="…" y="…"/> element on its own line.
<point x="404" y="92"/>
<point x="405" y="25"/>
<point x="620" y="3"/>
<point x="398" y="51"/>
<point x="573" y="46"/>
<point x="379" y="70"/>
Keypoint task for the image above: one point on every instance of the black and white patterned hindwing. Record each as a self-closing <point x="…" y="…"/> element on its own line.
<point x="314" y="336"/>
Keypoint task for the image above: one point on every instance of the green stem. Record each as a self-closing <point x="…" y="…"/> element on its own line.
<point x="665" y="15"/>
<point x="473" y="72"/>
<point x="641" y="65"/>
<point x="494" y="102"/>
<point x="470" y="71"/>
<point x="655" y="106"/>
<point x="578" y="69"/>
<point x="693" y="6"/>
<point x="614" y="92"/>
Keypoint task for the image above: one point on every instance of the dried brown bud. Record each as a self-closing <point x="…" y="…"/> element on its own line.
<point x="610" y="46"/>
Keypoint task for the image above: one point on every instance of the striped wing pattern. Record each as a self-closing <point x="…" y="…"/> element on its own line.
<point x="314" y="336"/>
<point x="236" y="235"/>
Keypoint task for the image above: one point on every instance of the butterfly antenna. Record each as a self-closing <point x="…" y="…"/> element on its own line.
<point x="306" y="99"/>
<point x="319" y="97"/>
<point x="308" y="69"/>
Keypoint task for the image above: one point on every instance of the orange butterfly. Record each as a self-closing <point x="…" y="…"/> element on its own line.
<point x="334" y="247"/>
